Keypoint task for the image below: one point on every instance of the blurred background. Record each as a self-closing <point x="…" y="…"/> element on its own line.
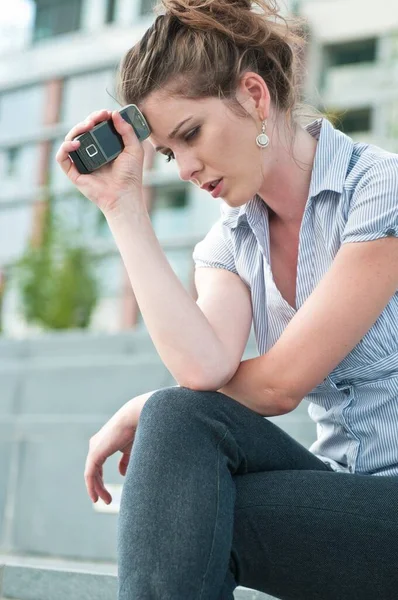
<point x="73" y="347"/>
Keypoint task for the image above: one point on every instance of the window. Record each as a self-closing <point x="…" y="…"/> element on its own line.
<point x="55" y="17"/>
<point x="15" y="231"/>
<point x="110" y="11"/>
<point x="349" y="53"/>
<point x="85" y="93"/>
<point x="146" y="7"/>
<point x="171" y="210"/>
<point x="355" y="121"/>
<point x="173" y="198"/>
<point x="21" y="111"/>
<point x="12" y="161"/>
<point x="19" y="169"/>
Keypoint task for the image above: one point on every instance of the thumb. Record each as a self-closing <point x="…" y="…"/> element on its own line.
<point x="127" y="132"/>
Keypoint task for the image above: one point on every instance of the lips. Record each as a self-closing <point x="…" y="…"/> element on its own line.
<point x="213" y="184"/>
<point x="217" y="190"/>
<point x="209" y="185"/>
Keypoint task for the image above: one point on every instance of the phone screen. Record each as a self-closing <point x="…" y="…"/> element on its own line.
<point x="138" y="121"/>
<point x="108" y="140"/>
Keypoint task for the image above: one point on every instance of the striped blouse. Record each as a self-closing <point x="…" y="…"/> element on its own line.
<point x="353" y="197"/>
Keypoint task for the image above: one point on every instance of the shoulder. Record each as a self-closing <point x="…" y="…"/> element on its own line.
<point x="371" y="164"/>
<point x="370" y="204"/>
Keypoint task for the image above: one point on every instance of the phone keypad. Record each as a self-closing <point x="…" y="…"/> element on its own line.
<point x="89" y="152"/>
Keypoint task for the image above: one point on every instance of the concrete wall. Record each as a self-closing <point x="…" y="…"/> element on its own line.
<point x="24" y="583"/>
<point x="55" y="393"/>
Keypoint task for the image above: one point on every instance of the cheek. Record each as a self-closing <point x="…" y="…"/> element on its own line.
<point x="223" y="141"/>
<point x="233" y="152"/>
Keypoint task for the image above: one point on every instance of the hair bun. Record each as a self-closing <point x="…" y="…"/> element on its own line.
<point x="178" y="7"/>
<point x="201" y="48"/>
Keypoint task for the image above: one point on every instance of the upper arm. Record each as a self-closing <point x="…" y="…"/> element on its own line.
<point x="332" y="321"/>
<point x="225" y="301"/>
<point x="353" y="293"/>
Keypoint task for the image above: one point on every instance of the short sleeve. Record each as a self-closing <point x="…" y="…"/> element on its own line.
<point x="216" y="249"/>
<point x="373" y="211"/>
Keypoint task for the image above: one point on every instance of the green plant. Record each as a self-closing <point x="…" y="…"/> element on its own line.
<point x="58" y="288"/>
<point x="2" y="292"/>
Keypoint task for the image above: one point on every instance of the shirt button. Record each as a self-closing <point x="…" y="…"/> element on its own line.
<point x="347" y="391"/>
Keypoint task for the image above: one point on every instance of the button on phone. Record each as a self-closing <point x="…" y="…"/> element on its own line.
<point x="91" y="150"/>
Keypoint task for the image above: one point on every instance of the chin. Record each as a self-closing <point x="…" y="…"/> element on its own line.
<point x="234" y="202"/>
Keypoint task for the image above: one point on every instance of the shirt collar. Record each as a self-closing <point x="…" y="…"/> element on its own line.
<point x="332" y="159"/>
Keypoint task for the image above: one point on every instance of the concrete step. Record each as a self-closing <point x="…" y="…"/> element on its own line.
<point x="19" y="582"/>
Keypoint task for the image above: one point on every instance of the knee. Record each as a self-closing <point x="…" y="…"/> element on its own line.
<point x="176" y="407"/>
<point x="171" y="400"/>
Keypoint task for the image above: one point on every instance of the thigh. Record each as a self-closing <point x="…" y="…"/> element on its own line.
<point x="316" y="535"/>
<point x="213" y="421"/>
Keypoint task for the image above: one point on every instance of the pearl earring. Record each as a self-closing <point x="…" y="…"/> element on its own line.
<point x="262" y="140"/>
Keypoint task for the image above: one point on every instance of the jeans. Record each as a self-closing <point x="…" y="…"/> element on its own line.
<point x="217" y="496"/>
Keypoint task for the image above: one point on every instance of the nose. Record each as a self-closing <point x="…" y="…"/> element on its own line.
<point x="188" y="166"/>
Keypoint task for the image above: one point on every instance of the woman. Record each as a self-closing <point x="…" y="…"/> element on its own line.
<point x="215" y="495"/>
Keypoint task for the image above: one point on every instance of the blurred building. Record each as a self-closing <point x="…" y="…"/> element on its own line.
<point x="65" y="69"/>
<point x="353" y="66"/>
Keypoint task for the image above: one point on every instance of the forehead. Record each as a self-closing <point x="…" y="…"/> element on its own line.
<point x="160" y="106"/>
<point x="163" y="113"/>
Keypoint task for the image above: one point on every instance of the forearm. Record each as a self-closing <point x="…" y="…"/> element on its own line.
<point x="251" y="387"/>
<point x="182" y="335"/>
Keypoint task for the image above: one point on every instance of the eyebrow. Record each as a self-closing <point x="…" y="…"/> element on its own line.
<point x="173" y="134"/>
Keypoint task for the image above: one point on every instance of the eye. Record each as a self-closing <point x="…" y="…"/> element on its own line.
<point x="188" y="137"/>
<point x="192" y="134"/>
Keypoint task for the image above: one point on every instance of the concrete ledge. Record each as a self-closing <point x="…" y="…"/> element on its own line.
<point x="28" y="583"/>
<point x="33" y="583"/>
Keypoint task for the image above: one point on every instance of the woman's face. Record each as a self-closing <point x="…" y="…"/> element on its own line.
<point x="213" y="143"/>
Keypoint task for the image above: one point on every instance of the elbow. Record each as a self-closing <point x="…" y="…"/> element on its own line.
<point x="200" y="385"/>
<point x="207" y="382"/>
<point x="286" y="407"/>
<point x="288" y="403"/>
<point x="277" y="402"/>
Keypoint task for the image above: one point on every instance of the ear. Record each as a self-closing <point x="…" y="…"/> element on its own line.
<point x="253" y="94"/>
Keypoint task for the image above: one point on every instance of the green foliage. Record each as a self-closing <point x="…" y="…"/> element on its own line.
<point x="1" y="307"/>
<point x="56" y="281"/>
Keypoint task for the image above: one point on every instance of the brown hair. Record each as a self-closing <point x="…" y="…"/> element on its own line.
<point x="201" y="48"/>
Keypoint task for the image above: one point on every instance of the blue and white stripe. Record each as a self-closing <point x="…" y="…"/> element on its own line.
<point x="353" y="198"/>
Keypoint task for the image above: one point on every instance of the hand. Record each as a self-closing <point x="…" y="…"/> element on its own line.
<point x="117" y="434"/>
<point x="117" y="180"/>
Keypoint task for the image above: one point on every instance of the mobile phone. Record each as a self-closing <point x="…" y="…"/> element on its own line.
<point x="102" y="144"/>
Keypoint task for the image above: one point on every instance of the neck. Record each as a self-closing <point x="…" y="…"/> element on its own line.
<point x="286" y="187"/>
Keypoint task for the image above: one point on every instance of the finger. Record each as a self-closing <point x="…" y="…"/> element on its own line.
<point x="92" y="120"/>
<point x="64" y="160"/>
<point x="78" y="130"/>
<point x="90" y="481"/>
<point x="123" y="464"/>
<point x="127" y="132"/>
<point x="101" y="491"/>
<point x="122" y="467"/>
<point x="90" y="474"/>
<point x="96" y="488"/>
<point x="99" y="115"/>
